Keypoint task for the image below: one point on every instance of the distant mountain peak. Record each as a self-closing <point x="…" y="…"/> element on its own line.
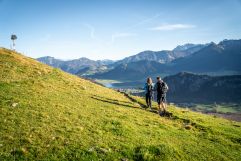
<point x="226" y="43"/>
<point x="46" y="57"/>
<point x="184" y="73"/>
<point x="184" y="47"/>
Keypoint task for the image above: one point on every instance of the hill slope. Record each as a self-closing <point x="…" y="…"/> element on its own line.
<point x="131" y="71"/>
<point x="188" y="87"/>
<point x="222" y="57"/>
<point x="46" y="114"/>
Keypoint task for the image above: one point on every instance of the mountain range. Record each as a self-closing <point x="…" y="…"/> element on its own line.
<point x="216" y="59"/>
<point x="163" y="56"/>
<point x="73" y="66"/>
<point x="85" y="66"/>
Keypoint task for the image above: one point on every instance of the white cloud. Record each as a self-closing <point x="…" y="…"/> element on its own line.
<point x="144" y="21"/>
<point x="121" y="35"/>
<point x="169" y="27"/>
<point x="125" y="33"/>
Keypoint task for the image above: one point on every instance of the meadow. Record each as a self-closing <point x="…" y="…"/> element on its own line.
<point x="47" y="114"/>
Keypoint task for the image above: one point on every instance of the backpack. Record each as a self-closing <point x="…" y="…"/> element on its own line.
<point x="149" y="88"/>
<point x="162" y="87"/>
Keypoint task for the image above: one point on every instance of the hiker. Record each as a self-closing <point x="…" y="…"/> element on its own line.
<point x="161" y="89"/>
<point x="149" y="91"/>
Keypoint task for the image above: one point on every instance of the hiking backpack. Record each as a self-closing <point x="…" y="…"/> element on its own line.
<point x="162" y="87"/>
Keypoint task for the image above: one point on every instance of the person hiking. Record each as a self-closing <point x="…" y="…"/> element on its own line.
<point x="149" y="92"/>
<point x="161" y="88"/>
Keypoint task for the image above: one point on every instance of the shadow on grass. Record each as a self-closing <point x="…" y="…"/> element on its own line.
<point x="115" y="102"/>
<point x="168" y="115"/>
<point x="109" y="99"/>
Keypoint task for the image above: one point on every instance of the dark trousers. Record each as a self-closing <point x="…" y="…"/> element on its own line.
<point x="161" y="98"/>
<point x="148" y="99"/>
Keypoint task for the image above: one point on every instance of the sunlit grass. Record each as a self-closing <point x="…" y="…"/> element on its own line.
<point x="46" y="114"/>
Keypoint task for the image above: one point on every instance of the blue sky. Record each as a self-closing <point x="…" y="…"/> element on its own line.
<point x="114" y="29"/>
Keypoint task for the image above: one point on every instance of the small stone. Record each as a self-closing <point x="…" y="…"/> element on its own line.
<point x="14" y="104"/>
<point x="188" y="127"/>
<point x="91" y="149"/>
<point x="104" y="150"/>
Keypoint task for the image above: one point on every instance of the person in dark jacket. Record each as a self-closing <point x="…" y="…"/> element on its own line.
<point x="149" y="92"/>
<point x="161" y="89"/>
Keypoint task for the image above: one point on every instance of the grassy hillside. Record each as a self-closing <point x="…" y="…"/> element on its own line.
<point x="46" y="114"/>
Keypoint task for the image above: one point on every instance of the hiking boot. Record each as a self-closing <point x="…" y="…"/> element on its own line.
<point x="161" y="113"/>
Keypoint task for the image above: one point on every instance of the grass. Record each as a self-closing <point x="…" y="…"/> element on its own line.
<point x="46" y="114"/>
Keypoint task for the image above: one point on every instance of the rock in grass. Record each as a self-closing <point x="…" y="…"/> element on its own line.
<point x="91" y="149"/>
<point x="14" y="104"/>
<point x="104" y="150"/>
<point x="188" y="127"/>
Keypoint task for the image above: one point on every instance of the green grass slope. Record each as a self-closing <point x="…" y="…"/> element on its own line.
<point x="46" y="114"/>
